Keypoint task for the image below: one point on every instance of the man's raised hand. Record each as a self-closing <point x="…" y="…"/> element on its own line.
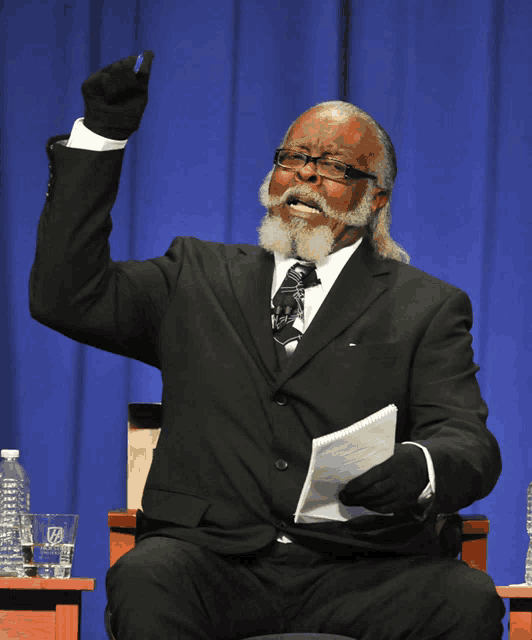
<point x="115" y="97"/>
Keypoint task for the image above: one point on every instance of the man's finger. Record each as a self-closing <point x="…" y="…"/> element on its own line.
<point x="364" y="481"/>
<point x="376" y="493"/>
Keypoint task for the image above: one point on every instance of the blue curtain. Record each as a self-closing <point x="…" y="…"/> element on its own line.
<point x="449" y="80"/>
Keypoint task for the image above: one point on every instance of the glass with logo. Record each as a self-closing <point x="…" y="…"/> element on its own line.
<point x="48" y="544"/>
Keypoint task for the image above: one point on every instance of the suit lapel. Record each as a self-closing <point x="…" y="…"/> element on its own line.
<point x="355" y="290"/>
<point x="251" y="275"/>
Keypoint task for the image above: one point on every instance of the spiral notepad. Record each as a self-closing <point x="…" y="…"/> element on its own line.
<point x="340" y="456"/>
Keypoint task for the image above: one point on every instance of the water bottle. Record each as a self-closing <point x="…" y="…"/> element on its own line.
<point x="528" y="564"/>
<point x="14" y="499"/>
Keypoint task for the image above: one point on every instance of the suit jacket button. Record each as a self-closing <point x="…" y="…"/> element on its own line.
<point x="281" y="524"/>
<point x="281" y="464"/>
<point x="281" y="399"/>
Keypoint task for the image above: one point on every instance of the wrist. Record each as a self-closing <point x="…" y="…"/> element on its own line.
<point x="83" y="138"/>
<point x="107" y="132"/>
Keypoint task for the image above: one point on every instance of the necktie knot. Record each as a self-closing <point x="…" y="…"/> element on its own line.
<point x="306" y="272"/>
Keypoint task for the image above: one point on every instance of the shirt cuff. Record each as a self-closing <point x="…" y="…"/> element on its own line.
<point x="426" y="497"/>
<point x="83" y="138"/>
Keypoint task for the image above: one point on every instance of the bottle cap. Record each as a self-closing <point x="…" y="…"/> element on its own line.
<point x="10" y="453"/>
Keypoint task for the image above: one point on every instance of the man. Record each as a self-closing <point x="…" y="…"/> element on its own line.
<point x="257" y="359"/>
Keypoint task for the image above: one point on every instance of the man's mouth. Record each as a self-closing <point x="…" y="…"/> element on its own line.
<point x="305" y="206"/>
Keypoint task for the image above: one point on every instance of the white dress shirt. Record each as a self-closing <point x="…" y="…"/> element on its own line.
<point x="327" y="271"/>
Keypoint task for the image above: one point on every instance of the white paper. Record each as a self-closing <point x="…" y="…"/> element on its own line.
<point x="339" y="457"/>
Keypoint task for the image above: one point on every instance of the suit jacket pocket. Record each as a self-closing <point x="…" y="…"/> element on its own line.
<point x="379" y="351"/>
<point x="183" y="509"/>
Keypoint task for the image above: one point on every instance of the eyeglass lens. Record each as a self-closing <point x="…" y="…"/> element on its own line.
<point x="326" y="167"/>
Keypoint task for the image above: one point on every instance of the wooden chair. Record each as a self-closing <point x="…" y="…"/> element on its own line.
<point x="143" y="432"/>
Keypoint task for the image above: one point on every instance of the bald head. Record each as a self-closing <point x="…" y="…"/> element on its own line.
<point x="383" y="159"/>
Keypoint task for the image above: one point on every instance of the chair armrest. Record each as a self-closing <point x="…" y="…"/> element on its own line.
<point x="465" y="535"/>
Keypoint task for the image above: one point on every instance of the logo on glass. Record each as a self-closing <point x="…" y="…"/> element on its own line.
<point x="54" y="535"/>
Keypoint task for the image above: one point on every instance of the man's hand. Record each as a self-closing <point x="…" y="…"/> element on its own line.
<point x="393" y="485"/>
<point x="115" y="97"/>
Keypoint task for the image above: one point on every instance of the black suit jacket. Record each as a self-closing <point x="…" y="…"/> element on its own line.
<point x="386" y="333"/>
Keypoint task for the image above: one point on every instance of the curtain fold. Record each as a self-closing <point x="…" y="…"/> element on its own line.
<point x="448" y="80"/>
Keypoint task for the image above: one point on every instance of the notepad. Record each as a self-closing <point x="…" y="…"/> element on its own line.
<point x="339" y="457"/>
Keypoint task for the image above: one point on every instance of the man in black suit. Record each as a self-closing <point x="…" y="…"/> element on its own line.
<point x="262" y="349"/>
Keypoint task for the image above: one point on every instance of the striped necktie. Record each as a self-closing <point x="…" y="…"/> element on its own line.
<point x="288" y="304"/>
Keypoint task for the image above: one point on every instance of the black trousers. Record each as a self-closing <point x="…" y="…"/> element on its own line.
<point x="166" y="589"/>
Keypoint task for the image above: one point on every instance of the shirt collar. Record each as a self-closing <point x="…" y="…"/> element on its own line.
<point x="327" y="269"/>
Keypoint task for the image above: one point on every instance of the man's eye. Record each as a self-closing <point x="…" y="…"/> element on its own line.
<point x="291" y="157"/>
<point x="331" y="164"/>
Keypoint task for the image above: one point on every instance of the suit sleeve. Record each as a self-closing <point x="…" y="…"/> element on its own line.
<point x="75" y="287"/>
<point x="447" y="413"/>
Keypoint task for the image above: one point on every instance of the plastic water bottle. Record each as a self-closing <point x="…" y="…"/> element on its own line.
<point x="14" y="499"/>
<point x="528" y="564"/>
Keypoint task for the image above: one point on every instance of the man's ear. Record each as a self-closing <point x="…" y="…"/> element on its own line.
<point x="380" y="199"/>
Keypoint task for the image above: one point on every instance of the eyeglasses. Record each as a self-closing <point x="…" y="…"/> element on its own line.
<point x="326" y="167"/>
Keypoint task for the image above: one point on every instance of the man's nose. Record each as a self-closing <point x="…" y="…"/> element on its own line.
<point x="309" y="173"/>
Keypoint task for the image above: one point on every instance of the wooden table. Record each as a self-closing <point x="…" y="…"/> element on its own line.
<point x="520" y="625"/>
<point x="41" y="608"/>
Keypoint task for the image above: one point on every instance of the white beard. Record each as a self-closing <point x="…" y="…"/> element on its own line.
<point x="297" y="238"/>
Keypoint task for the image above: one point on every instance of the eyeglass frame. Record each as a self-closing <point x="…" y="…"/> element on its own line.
<point x="349" y="170"/>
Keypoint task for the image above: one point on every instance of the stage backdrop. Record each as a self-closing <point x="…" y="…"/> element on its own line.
<point x="449" y="80"/>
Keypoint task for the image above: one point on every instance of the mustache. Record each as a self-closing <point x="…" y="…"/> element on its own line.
<point x="357" y="217"/>
<point x="303" y="192"/>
